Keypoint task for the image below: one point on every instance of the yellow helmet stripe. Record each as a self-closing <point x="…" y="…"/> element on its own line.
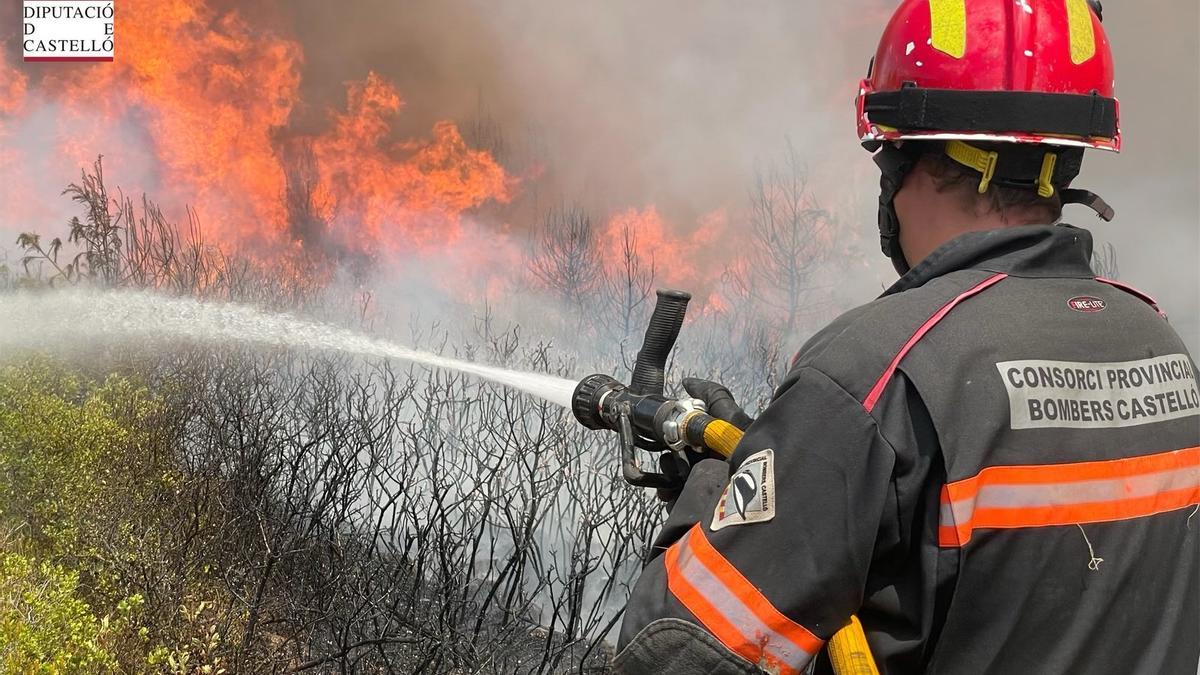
<point x="948" y="26"/>
<point x="1083" y="36"/>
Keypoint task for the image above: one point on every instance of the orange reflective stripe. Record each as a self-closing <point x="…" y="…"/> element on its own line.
<point x="733" y="609"/>
<point x="1064" y="494"/>
<point x="697" y="604"/>
<point x="1079" y="471"/>
<point x="749" y="594"/>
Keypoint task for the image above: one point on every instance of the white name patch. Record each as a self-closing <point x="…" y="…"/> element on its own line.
<point x="1082" y="395"/>
<point x="750" y="495"/>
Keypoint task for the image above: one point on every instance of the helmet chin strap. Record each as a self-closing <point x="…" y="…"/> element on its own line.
<point x="894" y="164"/>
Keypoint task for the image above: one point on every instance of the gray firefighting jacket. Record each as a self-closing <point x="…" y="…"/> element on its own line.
<point x="994" y="465"/>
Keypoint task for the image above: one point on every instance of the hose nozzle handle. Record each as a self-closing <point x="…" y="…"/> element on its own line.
<point x="650" y="368"/>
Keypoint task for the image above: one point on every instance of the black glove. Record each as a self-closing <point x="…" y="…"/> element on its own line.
<point x="693" y="502"/>
<point x="679" y="471"/>
<point x="718" y="401"/>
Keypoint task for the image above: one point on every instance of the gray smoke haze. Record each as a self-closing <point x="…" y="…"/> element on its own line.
<point x="670" y="103"/>
<point x="676" y="102"/>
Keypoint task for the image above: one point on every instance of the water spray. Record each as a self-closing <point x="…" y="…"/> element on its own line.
<point x="41" y="320"/>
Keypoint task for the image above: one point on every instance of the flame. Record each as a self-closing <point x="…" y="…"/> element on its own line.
<point x="198" y="109"/>
<point x="422" y="196"/>
<point x="13" y="84"/>
<point x="188" y="107"/>
<point x="691" y="258"/>
<point x="195" y="109"/>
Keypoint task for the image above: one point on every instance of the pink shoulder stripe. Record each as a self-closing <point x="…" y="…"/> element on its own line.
<point x="1144" y="297"/>
<point x="880" y="384"/>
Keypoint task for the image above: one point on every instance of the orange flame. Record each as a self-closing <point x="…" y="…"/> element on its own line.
<point x="682" y="257"/>
<point x="399" y="203"/>
<point x="193" y="111"/>
<point x="13" y="84"/>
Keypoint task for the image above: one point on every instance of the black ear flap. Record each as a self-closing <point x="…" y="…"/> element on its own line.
<point x="1098" y="9"/>
<point x="894" y="164"/>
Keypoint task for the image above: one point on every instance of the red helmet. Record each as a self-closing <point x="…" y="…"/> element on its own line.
<point x="1021" y="71"/>
<point x="1014" y="89"/>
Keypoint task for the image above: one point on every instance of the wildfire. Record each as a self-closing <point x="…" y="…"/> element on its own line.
<point x="414" y="201"/>
<point x="201" y="108"/>
<point x="681" y="258"/>
<point x="12" y="88"/>
<point x="195" y="109"/>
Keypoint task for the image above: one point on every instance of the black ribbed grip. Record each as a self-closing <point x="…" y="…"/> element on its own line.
<point x="650" y="368"/>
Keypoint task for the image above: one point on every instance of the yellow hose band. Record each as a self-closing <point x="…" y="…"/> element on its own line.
<point x="722" y="437"/>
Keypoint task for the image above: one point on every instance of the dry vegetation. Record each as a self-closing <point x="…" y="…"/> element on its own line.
<point x="206" y="509"/>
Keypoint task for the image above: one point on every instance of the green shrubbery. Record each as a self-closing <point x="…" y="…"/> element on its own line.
<point x="84" y="478"/>
<point x="45" y="626"/>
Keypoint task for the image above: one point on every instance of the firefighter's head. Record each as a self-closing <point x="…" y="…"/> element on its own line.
<point x="987" y="105"/>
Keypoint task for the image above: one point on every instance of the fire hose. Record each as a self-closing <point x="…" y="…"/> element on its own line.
<point x="644" y="417"/>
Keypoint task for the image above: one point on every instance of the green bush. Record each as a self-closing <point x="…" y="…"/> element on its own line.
<point x="83" y="484"/>
<point x="44" y="625"/>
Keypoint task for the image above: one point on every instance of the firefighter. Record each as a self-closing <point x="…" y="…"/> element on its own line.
<point x="994" y="465"/>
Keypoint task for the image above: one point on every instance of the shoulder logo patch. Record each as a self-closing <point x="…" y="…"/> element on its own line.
<point x="750" y="495"/>
<point x="1086" y="303"/>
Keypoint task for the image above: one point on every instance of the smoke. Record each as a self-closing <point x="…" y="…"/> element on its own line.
<point x="1154" y="184"/>
<point x="678" y="103"/>
<point x="675" y="106"/>
<point x="627" y="104"/>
